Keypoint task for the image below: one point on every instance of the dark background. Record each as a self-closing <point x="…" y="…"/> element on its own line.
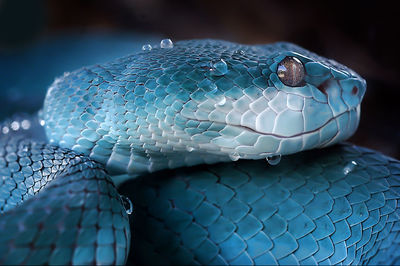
<point x="360" y="35"/>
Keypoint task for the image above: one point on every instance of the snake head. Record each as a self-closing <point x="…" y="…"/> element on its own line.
<point x="203" y="101"/>
<point x="257" y="101"/>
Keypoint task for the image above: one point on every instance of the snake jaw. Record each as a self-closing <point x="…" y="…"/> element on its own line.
<point x="249" y="143"/>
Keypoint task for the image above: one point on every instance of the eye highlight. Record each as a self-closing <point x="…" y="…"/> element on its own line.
<point x="291" y="71"/>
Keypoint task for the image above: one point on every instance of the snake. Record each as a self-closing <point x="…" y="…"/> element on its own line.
<point x="224" y="153"/>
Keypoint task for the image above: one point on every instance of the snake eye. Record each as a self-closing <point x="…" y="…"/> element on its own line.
<point x="291" y="71"/>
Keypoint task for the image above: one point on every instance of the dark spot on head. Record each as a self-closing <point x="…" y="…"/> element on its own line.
<point x="323" y="87"/>
<point x="354" y="91"/>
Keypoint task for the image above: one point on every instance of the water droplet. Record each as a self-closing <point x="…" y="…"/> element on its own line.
<point x="25" y="124"/>
<point x="166" y="43"/>
<point x="234" y="156"/>
<point x="274" y="159"/>
<point x="349" y="167"/>
<point x="42" y="122"/>
<point x="219" y="68"/>
<point x="221" y="101"/>
<point x="189" y="149"/>
<point x="128" y="206"/>
<point x="203" y="66"/>
<point x="5" y="130"/>
<point x="239" y="52"/>
<point x="15" y="125"/>
<point x="147" y="47"/>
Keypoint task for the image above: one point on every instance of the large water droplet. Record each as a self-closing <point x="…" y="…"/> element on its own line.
<point x="234" y="156"/>
<point x="349" y="167"/>
<point x="274" y="159"/>
<point x="42" y="122"/>
<point x="146" y="47"/>
<point x="128" y="206"/>
<point x="166" y="43"/>
<point x="219" y="68"/>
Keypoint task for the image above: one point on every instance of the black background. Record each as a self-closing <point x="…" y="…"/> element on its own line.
<point x="360" y="35"/>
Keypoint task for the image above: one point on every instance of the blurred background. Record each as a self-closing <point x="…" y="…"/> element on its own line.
<point x="42" y="39"/>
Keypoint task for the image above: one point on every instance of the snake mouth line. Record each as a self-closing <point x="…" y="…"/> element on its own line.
<point x="299" y="134"/>
<point x="280" y="136"/>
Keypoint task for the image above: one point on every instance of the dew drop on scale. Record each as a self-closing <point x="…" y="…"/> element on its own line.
<point x="274" y="159"/>
<point x="349" y="167"/>
<point x="166" y="43"/>
<point x="189" y="149"/>
<point x="127" y="203"/>
<point x="147" y="47"/>
<point x="234" y="156"/>
<point x="219" y="68"/>
<point x="40" y="116"/>
<point x="25" y="148"/>
<point x="239" y="52"/>
<point x="221" y="101"/>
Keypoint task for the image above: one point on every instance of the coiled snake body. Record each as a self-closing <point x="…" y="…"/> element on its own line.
<point x="184" y="105"/>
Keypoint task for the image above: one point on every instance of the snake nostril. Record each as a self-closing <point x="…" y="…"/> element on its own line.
<point x="354" y="91"/>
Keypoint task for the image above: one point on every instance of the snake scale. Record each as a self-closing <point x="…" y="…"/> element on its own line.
<point x="172" y="127"/>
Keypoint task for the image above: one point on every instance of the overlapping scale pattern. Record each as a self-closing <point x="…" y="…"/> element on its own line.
<point x="334" y="206"/>
<point x="75" y="217"/>
<point x="188" y="103"/>
<point x="201" y="101"/>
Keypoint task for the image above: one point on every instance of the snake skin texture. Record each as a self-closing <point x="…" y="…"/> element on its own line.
<point x="339" y="205"/>
<point x="70" y="213"/>
<point x="183" y="105"/>
<point x="202" y="101"/>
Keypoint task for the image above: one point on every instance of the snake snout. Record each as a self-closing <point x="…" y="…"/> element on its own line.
<point x="353" y="90"/>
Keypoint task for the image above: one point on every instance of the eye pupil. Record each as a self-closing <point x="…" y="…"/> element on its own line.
<point x="291" y="71"/>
